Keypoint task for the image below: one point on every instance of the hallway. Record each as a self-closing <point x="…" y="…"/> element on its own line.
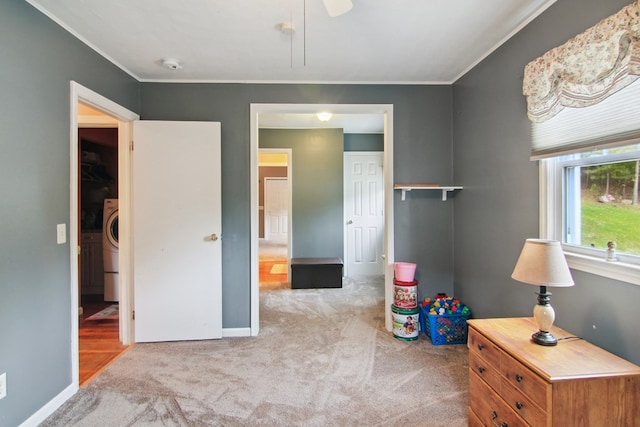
<point x="273" y="266"/>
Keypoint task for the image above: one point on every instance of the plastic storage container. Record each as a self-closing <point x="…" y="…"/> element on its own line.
<point x="405" y="294"/>
<point x="444" y="329"/>
<point x="406" y="323"/>
<point x="404" y="271"/>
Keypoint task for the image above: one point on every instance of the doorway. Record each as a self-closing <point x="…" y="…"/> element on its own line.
<point x="98" y="335"/>
<point x="110" y="114"/>
<point x="388" y="256"/>
<point x="275" y="235"/>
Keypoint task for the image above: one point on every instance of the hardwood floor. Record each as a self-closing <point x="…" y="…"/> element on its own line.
<point x="99" y="341"/>
<point x="276" y="280"/>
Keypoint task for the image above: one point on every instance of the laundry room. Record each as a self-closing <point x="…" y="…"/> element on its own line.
<point x="98" y="204"/>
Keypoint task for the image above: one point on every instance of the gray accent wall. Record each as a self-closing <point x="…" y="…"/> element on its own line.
<point x="422" y="153"/>
<point x="363" y="142"/>
<point x="39" y="61"/>
<point x="478" y="124"/>
<point x="498" y="208"/>
<point x="317" y="189"/>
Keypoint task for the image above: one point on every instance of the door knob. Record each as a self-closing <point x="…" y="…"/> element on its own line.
<point x="213" y="237"/>
<point x="349" y="222"/>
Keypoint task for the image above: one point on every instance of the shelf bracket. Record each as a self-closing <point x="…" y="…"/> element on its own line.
<point x="408" y="187"/>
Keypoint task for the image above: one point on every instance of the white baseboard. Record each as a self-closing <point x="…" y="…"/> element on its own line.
<point x="49" y="408"/>
<point x="236" y="332"/>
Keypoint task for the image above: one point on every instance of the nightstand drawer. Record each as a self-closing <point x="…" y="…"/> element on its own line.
<point x="484" y="348"/>
<point x="522" y="405"/>
<point x="485" y="371"/>
<point x="525" y="380"/>
<point x="474" y="421"/>
<point x="491" y="410"/>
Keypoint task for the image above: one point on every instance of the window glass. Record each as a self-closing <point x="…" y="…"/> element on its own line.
<point x="600" y="200"/>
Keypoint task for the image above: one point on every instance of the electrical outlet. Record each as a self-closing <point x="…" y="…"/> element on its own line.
<point x="61" y="233"/>
<point x="3" y="385"/>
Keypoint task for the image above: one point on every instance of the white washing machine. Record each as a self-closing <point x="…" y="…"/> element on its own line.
<point x="110" y="249"/>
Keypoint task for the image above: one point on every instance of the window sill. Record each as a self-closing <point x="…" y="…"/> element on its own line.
<point x="624" y="272"/>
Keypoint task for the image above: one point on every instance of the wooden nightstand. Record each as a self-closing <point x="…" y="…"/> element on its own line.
<point x="515" y="382"/>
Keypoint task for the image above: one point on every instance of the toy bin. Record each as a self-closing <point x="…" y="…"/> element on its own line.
<point x="404" y="271"/>
<point x="444" y="329"/>
<point x="405" y="323"/>
<point x="405" y="294"/>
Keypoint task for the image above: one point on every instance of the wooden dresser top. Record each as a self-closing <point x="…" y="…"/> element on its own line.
<point x="571" y="359"/>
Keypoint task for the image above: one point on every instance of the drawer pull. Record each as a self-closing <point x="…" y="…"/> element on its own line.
<point x="480" y="347"/>
<point x="481" y="370"/>
<point x="494" y="416"/>
<point x="519" y="405"/>
<point x="519" y="378"/>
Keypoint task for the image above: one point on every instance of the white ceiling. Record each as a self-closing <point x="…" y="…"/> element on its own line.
<point x="378" y="41"/>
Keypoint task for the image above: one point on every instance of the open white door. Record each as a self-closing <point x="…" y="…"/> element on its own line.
<point x="176" y="226"/>
<point x="364" y="213"/>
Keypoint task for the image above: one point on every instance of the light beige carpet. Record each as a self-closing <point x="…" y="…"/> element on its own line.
<point x="322" y="358"/>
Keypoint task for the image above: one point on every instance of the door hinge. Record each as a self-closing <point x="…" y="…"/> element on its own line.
<point x="131" y="145"/>
<point x="133" y="314"/>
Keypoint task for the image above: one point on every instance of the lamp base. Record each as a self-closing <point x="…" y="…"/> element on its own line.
<point x="544" y="338"/>
<point x="544" y="315"/>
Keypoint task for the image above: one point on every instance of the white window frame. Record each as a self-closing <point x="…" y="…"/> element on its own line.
<point x="580" y="258"/>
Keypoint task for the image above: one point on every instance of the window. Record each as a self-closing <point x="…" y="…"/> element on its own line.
<point x="582" y="100"/>
<point x="590" y="199"/>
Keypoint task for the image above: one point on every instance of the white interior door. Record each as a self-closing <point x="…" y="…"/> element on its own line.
<point x="276" y="209"/>
<point x="364" y="213"/>
<point x="176" y="227"/>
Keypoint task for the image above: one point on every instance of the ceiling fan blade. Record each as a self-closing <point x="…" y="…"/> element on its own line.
<point x="337" y="7"/>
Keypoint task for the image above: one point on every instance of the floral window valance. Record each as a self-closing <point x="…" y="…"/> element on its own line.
<point x="586" y="69"/>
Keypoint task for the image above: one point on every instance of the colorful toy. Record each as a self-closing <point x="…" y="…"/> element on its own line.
<point x="442" y="304"/>
<point x="444" y="319"/>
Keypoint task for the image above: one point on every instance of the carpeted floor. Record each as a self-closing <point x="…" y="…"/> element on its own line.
<point x="322" y="358"/>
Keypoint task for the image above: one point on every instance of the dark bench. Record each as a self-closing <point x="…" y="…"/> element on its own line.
<point x="309" y="273"/>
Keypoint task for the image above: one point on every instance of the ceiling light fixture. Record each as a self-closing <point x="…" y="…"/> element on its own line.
<point x="171" y="63"/>
<point x="324" y="116"/>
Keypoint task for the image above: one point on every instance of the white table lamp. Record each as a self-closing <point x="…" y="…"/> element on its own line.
<point x="542" y="263"/>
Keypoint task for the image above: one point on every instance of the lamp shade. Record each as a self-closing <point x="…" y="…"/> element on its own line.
<point x="542" y="263"/>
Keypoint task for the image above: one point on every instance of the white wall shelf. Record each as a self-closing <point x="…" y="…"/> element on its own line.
<point x="408" y="187"/>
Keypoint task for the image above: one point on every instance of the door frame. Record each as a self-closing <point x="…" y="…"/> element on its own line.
<point x="125" y="118"/>
<point x="387" y="111"/>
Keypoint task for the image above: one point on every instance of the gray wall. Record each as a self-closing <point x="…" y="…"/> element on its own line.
<point x="422" y="153"/>
<point x="495" y="212"/>
<point x="35" y="300"/>
<point x="317" y="188"/>
<point x="363" y="142"/>
<point x="498" y="208"/>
